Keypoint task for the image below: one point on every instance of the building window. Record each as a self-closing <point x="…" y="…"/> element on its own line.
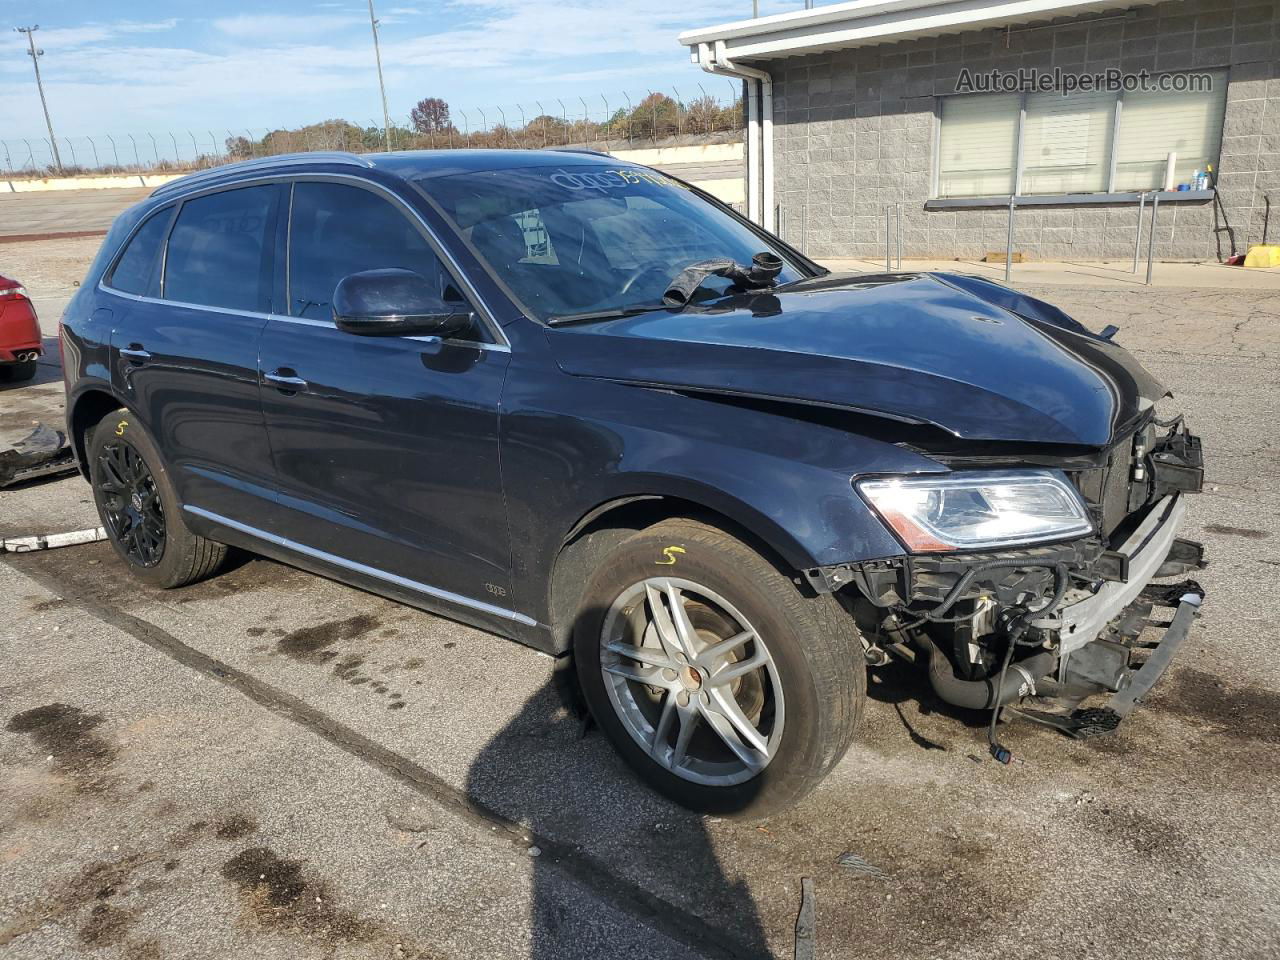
<point x="1094" y="142"/>
<point x="978" y="145"/>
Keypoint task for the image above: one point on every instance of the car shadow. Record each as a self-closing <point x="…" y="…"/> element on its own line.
<point x="898" y="683"/>
<point x="644" y="859"/>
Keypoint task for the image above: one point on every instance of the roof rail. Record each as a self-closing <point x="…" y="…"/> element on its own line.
<point x="283" y="159"/>
<point x="588" y="150"/>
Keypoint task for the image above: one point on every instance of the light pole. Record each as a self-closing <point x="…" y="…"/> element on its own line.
<point x="35" y="62"/>
<point x="382" y="88"/>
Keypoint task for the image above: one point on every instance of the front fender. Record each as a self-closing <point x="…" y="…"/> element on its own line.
<point x="572" y="446"/>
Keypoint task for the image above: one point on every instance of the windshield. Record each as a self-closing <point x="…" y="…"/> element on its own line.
<point x="578" y="239"/>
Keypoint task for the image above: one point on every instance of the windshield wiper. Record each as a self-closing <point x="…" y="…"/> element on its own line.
<point x="616" y="313"/>
<point x="763" y="272"/>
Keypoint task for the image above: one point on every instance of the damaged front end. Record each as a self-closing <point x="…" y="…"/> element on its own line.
<point x="1043" y="628"/>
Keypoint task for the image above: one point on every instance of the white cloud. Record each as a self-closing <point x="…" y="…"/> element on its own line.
<point x="261" y="69"/>
<point x="261" y="26"/>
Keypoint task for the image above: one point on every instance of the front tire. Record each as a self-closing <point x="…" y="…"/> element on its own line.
<point x="139" y="507"/>
<point x="719" y="682"/>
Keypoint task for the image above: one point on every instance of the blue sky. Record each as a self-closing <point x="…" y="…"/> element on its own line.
<point x="120" y="67"/>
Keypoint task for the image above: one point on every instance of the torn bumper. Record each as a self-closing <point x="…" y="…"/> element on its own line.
<point x="1141" y="556"/>
<point x="1099" y="635"/>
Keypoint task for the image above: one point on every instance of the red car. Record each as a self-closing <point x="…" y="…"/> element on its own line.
<point x="19" y="332"/>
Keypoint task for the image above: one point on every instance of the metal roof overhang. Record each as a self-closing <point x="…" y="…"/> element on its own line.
<point x="859" y="23"/>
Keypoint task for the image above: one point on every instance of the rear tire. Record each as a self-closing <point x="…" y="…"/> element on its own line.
<point x="759" y="741"/>
<point x="139" y="507"/>
<point x="18" y="372"/>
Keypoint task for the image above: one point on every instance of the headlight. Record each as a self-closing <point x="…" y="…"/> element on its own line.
<point x="971" y="511"/>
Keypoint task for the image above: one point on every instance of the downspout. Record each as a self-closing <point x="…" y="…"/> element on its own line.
<point x="759" y="146"/>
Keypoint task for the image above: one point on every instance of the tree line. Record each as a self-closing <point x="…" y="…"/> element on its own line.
<point x="432" y="125"/>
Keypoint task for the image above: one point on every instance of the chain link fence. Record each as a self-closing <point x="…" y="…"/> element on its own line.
<point x="632" y="120"/>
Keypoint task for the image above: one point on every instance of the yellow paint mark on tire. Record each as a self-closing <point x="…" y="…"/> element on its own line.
<point x="670" y="554"/>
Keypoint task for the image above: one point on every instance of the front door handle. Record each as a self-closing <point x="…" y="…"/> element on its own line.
<point x="285" y="380"/>
<point x="135" y="352"/>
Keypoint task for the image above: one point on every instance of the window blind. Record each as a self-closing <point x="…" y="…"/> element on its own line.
<point x="1153" y="125"/>
<point x="1070" y="143"/>
<point x="978" y="145"/>
<point x="1066" y="142"/>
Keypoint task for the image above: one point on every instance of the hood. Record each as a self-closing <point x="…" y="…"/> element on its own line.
<point x="971" y="357"/>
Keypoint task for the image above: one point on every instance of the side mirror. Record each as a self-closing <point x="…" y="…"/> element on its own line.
<point x="395" y="303"/>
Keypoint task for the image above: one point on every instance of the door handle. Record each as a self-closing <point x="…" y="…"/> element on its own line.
<point x="284" y="380"/>
<point x="135" y="352"/>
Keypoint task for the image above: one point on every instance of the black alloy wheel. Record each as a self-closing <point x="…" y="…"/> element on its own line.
<point x="131" y="503"/>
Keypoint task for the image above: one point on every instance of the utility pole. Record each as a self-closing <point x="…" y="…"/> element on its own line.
<point x="377" y="53"/>
<point x="35" y="62"/>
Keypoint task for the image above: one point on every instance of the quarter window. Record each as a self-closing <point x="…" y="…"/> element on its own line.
<point x="337" y="230"/>
<point x="217" y="251"/>
<point x="135" y="271"/>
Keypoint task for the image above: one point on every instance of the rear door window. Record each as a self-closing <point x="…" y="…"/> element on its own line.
<point x="136" y="271"/>
<point x="337" y="230"/>
<point x="218" y="250"/>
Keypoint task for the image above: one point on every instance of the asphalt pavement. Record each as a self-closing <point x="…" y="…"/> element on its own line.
<point x="273" y="764"/>
<point x="45" y="212"/>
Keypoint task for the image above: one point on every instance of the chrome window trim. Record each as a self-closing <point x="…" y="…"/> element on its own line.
<point x="355" y="567"/>
<point x="306" y="321"/>
<point x="329" y="324"/>
<point x="486" y="313"/>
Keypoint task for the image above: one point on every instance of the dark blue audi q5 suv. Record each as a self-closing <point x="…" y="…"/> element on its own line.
<point x="585" y="405"/>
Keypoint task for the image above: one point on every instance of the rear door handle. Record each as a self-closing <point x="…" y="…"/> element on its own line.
<point x="135" y="352"/>
<point x="284" y="379"/>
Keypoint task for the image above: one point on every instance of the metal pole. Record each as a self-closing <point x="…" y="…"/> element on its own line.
<point x="97" y="164"/>
<point x="899" y="226"/>
<point x="114" y="151"/>
<point x="1008" y="249"/>
<point x="1137" y="240"/>
<point x="1151" y="240"/>
<point x="888" y="263"/>
<point x="377" y="54"/>
<point x="35" y="62"/>
<point x="137" y="160"/>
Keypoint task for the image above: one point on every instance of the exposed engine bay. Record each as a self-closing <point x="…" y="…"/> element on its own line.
<point x="1041" y="629"/>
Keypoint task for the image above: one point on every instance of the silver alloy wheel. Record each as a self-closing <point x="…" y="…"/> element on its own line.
<point x="692" y="681"/>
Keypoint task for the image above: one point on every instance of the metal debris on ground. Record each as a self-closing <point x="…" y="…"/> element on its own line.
<point x="51" y="541"/>
<point x="806" y="922"/>
<point x="855" y="864"/>
<point x="42" y="453"/>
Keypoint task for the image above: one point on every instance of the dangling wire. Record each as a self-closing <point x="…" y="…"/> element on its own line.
<point x="1018" y="625"/>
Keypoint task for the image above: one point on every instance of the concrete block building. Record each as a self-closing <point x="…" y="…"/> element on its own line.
<point x="1076" y="108"/>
